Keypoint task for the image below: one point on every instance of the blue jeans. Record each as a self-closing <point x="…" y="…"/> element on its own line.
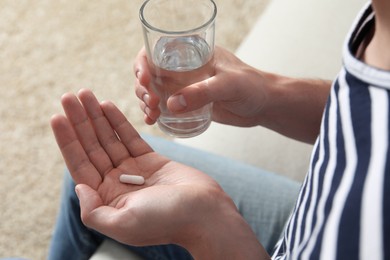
<point x="264" y="199"/>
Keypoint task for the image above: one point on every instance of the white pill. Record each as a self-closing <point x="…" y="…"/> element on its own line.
<point x="132" y="179"/>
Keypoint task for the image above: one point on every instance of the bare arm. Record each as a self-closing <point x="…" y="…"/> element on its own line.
<point x="176" y="204"/>
<point x="297" y="107"/>
<point x="244" y="96"/>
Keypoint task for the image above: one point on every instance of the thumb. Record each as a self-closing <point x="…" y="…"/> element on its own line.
<point x="94" y="213"/>
<point x="89" y="201"/>
<point x="196" y="95"/>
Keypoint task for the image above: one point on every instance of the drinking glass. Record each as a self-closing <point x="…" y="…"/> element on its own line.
<point x="179" y="40"/>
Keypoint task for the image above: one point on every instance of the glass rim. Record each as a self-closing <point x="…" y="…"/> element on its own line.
<point x="148" y="25"/>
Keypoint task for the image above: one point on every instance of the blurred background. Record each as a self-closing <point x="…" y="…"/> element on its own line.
<point x="47" y="48"/>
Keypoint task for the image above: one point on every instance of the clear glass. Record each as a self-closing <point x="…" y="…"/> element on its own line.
<point x="179" y="40"/>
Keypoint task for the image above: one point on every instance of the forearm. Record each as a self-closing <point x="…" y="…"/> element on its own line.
<point x="294" y="107"/>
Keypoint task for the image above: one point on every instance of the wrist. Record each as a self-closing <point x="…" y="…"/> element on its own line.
<point x="297" y="106"/>
<point x="222" y="234"/>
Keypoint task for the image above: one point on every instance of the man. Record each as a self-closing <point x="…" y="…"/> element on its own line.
<point x="343" y="207"/>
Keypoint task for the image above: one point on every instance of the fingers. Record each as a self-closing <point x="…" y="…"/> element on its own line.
<point x="148" y="99"/>
<point x="198" y="95"/>
<point x="85" y="133"/>
<point x="151" y="115"/>
<point x="126" y="132"/>
<point x="77" y="161"/>
<point x="229" y="79"/>
<point x="141" y="69"/>
<point x="106" y="136"/>
<point x="189" y="98"/>
<point x="94" y="138"/>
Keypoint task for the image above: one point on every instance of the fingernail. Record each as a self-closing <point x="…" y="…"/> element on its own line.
<point x="146" y="98"/>
<point x="147" y="111"/>
<point x="178" y="102"/>
<point x="137" y="74"/>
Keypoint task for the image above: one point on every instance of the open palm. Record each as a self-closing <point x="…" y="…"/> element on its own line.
<point x="98" y="145"/>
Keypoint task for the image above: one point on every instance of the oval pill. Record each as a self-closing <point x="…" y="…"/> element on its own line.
<point x="132" y="179"/>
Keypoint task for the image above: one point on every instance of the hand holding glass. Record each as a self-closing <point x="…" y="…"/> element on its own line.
<point x="179" y="40"/>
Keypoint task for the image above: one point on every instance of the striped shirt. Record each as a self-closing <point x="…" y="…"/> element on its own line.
<point x="343" y="209"/>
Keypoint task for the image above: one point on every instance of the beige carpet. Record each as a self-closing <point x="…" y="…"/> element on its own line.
<point x="48" y="47"/>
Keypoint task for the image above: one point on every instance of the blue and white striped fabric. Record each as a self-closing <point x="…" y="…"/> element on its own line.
<point x="343" y="210"/>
